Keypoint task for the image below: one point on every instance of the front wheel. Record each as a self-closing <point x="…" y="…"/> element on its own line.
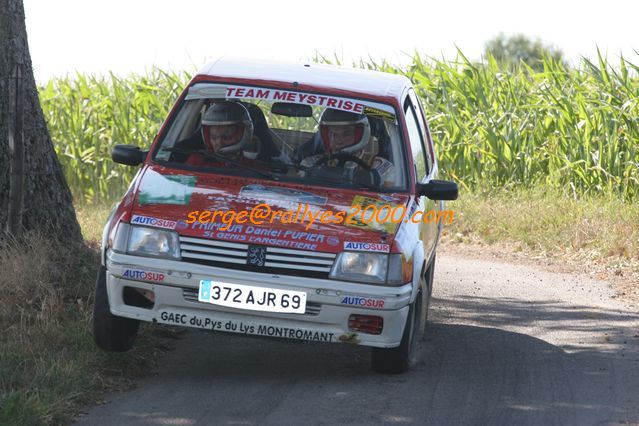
<point x="110" y="332"/>
<point x="428" y="277"/>
<point x="398" y="360"/>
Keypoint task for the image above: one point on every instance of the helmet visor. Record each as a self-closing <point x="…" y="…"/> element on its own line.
<point x="339" y="137"/>
<point x="223" y="135"/>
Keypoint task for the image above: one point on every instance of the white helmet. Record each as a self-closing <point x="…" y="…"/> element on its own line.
<point x="344" y="131"/>
<point x="226" y="127"/>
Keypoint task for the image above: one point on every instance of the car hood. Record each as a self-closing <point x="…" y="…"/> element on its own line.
<point x="175" y="199"/>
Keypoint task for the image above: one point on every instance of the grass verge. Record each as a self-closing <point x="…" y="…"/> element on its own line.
<point x="596" y="234"/>
<point x="49" y="364"/>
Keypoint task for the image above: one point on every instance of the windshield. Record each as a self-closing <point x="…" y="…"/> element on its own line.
<point x="274" y="134"/>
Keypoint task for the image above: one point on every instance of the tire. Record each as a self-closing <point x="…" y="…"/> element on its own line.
<point x="429" y="277"/>
<point x="398" y="360"/>
<point x="110" y="332"/>
<point x="421" y="306"/>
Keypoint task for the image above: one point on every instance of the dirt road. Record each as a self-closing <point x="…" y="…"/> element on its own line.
<point x="506" y="345"/>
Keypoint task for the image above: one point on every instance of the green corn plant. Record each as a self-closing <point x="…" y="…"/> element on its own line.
<point x="88" y="115"/>
<point x="570" y="129"/>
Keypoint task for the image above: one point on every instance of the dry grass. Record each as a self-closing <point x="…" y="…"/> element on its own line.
<point x="30" y="296"/>
<point x="597" y="234"/>
<point x="44" y="315"/>
<point x="49" y="365"/>
<point x="553" y="223"/>
<point x="92" y="218"/>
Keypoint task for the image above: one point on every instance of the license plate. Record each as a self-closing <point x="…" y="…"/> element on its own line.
<point x="252" y="298"/>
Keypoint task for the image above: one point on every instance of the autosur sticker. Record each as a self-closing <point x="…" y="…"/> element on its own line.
<point x="153" y="221"/>
<point x="362" y="246"/>
<point x="366" y="302"/>
<point x="137" y="274"/>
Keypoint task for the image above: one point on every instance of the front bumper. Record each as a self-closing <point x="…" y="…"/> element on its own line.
<point x="175" y="285"/>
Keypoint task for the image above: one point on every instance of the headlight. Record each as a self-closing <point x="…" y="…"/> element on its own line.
<point x="145" y="241"/>
<point x="372" y="268"/>
<point x="360" y="267"/>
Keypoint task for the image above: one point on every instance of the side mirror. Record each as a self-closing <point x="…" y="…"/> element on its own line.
<point x="438" y="190"/>
<point x="130" y="155"/>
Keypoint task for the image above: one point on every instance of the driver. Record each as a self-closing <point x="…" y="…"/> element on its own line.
<point x="226" y="130"/>
<point x="348" y="133"/>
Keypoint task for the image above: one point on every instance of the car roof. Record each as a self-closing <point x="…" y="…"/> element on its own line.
<point x="361" y="81"/>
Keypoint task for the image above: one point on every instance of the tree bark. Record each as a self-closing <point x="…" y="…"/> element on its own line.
<point x="16" y="154"/>
<point x="44" y="202"/>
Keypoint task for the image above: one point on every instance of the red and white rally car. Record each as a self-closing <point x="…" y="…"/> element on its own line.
<point x="196" y="240"/>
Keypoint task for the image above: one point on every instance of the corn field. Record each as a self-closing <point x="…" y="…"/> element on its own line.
<point x="569" y="129"/>
<point x="88" y="115"/>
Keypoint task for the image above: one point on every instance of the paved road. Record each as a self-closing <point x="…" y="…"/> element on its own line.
<point x="506" y="345"/>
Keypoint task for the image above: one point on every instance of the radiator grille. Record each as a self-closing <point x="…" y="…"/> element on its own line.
<point x="256" y="258"/>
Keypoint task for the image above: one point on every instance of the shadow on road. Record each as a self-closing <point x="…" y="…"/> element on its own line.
<point x="484" y="375"/>
<point x="467" y="374"/>
<point x="580" y="327"/>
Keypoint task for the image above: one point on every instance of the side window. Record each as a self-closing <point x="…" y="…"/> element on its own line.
<point x="416" y="143"/>
<point x="419" y="112"/>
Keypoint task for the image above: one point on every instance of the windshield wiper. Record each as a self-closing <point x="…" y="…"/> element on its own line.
<point x="212" y="156"/>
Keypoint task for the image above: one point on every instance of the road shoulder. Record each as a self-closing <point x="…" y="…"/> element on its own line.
<point x="622" y="279"/>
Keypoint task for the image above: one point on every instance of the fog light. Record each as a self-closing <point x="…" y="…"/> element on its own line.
<point x="368" y="324"/>
<point x="138" y="297"/>
<point x="148" y="294"/>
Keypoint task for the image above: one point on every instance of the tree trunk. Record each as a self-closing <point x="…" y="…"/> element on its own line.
<point x="36" y="195"/>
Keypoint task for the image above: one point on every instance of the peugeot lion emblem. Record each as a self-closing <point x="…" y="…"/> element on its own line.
<point x="256" y="255"/>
